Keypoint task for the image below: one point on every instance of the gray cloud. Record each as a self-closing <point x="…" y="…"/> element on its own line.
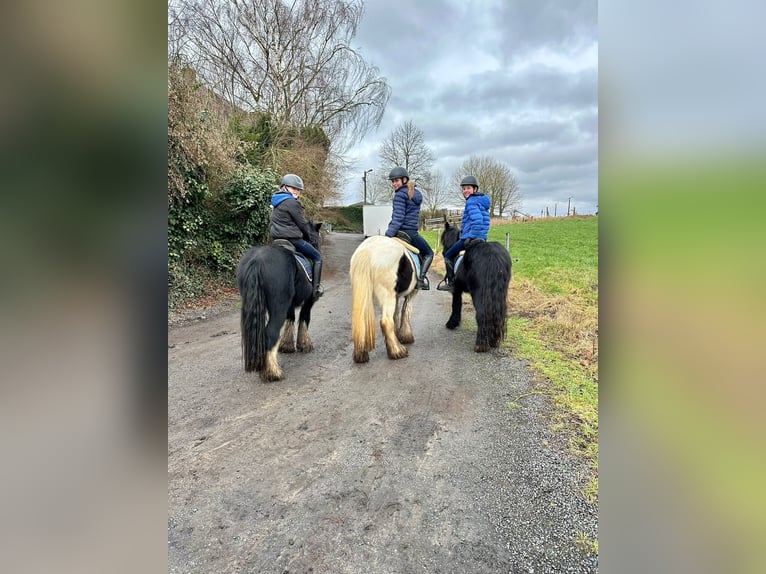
<point x="516" y="81"/>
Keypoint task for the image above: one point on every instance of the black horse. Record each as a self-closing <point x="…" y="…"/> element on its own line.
<point x="273" y="284"/>
<point x="484" y="271"/>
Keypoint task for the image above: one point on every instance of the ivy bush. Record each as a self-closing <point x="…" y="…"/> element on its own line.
<point x="209" y="231"/>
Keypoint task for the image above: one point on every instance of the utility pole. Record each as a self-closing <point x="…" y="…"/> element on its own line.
<point x="364" y="179"/>
<point x="568" y="203"/>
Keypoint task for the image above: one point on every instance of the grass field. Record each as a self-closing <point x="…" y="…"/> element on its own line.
<point x="553" y="319"/>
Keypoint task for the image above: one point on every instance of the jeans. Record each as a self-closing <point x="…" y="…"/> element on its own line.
<point x="305" y="248"/>
<point x="420" y="243"/>
<point x="452" y="252"/>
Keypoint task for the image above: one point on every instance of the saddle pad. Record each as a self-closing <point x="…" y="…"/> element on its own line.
<point x="409" y="246"/>
<point x="459" y="260"/>
<point x="306" y="266"/>
<point x="415" y="261"/>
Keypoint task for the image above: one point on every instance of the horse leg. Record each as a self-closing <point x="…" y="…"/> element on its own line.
<point x="287" y="341"/>
<point x="304" y="341"/>
<point x="387" y="300"/>
<point x="403" y="321"/>
<point x="457" y="308"/>
<point x="271" y="369"/>
<point x="482" y="335"/>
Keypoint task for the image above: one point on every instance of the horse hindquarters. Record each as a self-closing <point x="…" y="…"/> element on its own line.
<point x="490" y="297"/>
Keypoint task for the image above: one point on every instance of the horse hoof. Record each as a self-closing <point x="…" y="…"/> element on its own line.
<point x="481" y="348"/>
<point x="361" y="357"/>
<point x="398" y="354"/>
<point x="452" y="324"/>
<point x="272" y="377"/>
<point x="287" y="349"/>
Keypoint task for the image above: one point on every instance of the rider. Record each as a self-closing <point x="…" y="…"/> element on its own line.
<point x="475" y="225"/>
<point x="287" y="222"/>
<point x="406" y="218"/>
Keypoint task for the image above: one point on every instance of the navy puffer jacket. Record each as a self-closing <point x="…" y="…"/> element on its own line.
<point x="406" y="214"/>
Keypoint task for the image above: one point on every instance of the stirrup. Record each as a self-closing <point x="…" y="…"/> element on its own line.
<point x="318" y="292"/>
<point x="424" y="284"/>
<point x="445" y="285"/>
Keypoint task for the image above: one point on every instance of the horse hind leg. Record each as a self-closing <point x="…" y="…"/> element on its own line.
<point x="403" y="321"/>
<point x="394" y="349"/>
<point x="274" y="333"/>
<point x="304" y="341"/>
<point x="387" y="310"/>
<point x="287" y="340"/>
<point x="271" y="370"/>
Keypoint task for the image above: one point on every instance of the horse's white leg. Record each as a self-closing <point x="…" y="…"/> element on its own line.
<point x="398" y="319"/>
<point x="304" y="341"/>
<point x="271" y="370"/>
<point x="404" y="325"/>
<point x="287" y="341"/>
<point x="387" y="300"/>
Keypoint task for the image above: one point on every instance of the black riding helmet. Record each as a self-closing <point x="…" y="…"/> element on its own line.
<point x="398" y="172"/>
<point x="470" y="180"/>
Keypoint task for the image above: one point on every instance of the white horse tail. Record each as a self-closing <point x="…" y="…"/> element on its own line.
<point x="362" y="309"/>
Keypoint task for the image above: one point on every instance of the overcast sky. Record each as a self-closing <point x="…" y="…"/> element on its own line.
<point x="516" y="81"/>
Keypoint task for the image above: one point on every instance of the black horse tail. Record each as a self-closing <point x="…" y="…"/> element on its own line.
<point x="493" y="290"/>
<point x="253" y="321"/>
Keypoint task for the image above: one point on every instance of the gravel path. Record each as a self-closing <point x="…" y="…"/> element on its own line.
<point x="416" y="465"/>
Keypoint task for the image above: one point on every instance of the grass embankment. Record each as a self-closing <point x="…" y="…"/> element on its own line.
<point x="553" y="319"/>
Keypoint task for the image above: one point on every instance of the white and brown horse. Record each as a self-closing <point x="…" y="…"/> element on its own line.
<point x="383" y="271"/>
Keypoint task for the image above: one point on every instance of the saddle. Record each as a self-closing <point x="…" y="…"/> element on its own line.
<point x="403" y="238"/>
<point x="303" y="262"/>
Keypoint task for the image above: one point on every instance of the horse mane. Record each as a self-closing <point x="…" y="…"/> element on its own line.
<point x="410" y="189"/>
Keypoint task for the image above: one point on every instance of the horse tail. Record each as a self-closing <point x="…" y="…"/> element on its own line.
<point x="493" y="292"/>
<point x="362" y="309"/>
<point x="253" y="320"/>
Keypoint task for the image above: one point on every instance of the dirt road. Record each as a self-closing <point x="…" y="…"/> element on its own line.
<point x="415" y="465"/>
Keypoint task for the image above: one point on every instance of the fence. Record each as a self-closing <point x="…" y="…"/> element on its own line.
<point x="452" y="216"/>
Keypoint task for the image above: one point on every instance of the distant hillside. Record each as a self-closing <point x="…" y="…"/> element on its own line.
<point x="343" y="219"/>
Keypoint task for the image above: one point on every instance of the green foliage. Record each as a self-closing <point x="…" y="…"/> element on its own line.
<point x="257" y="132"/>
<point x="208" y="232"/>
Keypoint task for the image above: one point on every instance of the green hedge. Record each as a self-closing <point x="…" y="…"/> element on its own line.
<point x="208" y="232"/>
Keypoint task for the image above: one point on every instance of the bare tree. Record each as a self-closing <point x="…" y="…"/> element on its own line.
<point x="378" y="188"/>
<point x="291" y="60"/>
<point x="406" y="147"/>
<point x="438" y="194"/>
<point x="496" y="180"/>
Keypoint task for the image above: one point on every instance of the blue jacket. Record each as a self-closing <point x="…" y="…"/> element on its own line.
<point x="475" y="217"/>
<point x="406" y="214"/>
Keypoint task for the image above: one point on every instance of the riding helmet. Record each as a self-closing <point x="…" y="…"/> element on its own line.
<point x="470" y="180"/>
<point x="292" y="180"/>
<point x="398" y="172"/>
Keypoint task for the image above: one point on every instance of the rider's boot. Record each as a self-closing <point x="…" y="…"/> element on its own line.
<point x="446" y="283"/>
<point x="317" y="277"/>
<point x="423" y="283"/>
